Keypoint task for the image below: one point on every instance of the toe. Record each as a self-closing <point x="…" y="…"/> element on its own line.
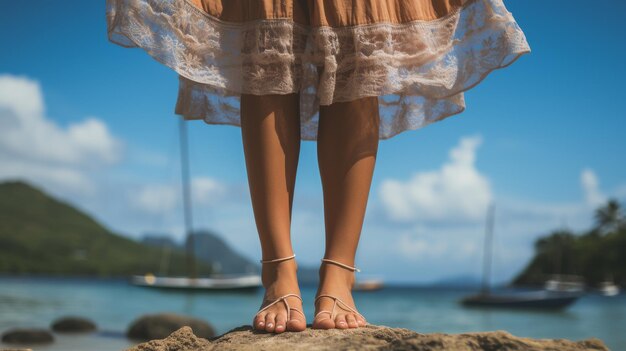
<point x="296" y="323"/>
<point x="351" y="321"/>
<point x="361" y="321"/>
<point x="323" y="321"/>
<point x="281" y="321"/>
<point x="270" y="322"/>
<point x="259" y="321"/>
<point x="340" y="321"/>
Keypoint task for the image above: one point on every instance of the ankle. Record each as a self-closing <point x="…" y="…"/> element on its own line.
<point x="285" y="271"/>
<point x="333" y="276"/>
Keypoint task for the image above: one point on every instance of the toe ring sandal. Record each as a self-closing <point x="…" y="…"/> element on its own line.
<point x="284" y="297"/>
<point x="337" y="302"/>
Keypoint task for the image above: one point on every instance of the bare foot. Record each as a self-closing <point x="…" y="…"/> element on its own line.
<point x="336" y="281"/>
<point x="279" y="279"/>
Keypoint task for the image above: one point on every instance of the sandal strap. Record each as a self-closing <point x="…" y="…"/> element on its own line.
<point x="335" y="301"/>
<point x="297" y="310"/>
<point x="354" y="269"/>
<point x="284" y="300"/>
<point x="278" y="259"/>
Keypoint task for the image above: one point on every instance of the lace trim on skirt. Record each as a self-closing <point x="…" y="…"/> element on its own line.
<point x="418" y="69"/>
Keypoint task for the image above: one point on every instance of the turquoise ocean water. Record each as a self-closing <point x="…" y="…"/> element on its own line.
<point x="114" y="304"/>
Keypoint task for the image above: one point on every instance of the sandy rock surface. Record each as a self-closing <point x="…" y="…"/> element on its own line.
<point x="366" y="338"/>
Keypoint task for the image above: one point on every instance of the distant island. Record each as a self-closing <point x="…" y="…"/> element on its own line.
<point x="597" y="254"/>
<point x="40" y="235"/>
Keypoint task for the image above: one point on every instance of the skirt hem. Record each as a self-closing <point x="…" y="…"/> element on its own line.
<point x="427" y="64"/>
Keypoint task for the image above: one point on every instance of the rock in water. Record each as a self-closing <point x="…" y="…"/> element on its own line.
<point x="159" y="326"/>
<point x="73" y="325"/>
<point x="366" y="338"/>
<point x="27" y="336"/>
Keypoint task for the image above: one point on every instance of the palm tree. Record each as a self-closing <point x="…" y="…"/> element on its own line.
<point x="609" y="217"/>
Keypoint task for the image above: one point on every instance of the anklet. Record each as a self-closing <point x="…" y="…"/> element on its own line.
<point x="278" y="259"/>
<point x="354" y="269"/>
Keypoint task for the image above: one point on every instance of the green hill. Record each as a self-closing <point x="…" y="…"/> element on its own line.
<point x="596" y="254"/>
<point x="42" y="235"/>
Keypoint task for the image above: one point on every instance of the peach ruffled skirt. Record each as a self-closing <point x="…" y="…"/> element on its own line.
<point x="417" y="56"/>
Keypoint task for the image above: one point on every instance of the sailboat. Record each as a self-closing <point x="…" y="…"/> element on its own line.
<point x="608" y="288"/>
<point x="368" y="284"/>
<point x="541" y="299"/>
<point x="564" y="282"/>
<point x="192" y="282"/>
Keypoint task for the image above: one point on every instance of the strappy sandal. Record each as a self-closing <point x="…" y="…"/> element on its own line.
<point x="337" y="302"/>
<point x="281" y="298"/>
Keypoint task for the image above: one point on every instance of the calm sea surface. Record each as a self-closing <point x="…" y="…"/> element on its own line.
<point x="114" y="304"/>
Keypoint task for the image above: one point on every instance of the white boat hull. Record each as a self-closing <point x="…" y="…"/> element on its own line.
<point x="186" y="283"/>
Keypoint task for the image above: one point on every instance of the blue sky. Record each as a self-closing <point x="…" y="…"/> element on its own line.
<point x="543" y="138"/>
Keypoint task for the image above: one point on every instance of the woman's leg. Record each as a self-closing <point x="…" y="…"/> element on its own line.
<point x="270" y="127"/>
<point x="347" y="144"/>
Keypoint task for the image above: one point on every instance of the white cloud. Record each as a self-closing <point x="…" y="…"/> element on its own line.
<point x="457" y="191"/>
<point x="62" y="179"/>
<point x="21" y="95"/>
<point x="591" y="188"/>
<point x="91" y="139"/>
<point x="154" y="198"/>
<point x="431" y="243"/>
<point x="34" y="147"/>
<point x="416" y="248"/>
<point x="163" y="198"/>
<point x="206" y="191"/>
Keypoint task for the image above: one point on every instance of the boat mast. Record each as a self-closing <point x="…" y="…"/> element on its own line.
<point x="488" y="249"/>
<point x="184" y="165"/>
